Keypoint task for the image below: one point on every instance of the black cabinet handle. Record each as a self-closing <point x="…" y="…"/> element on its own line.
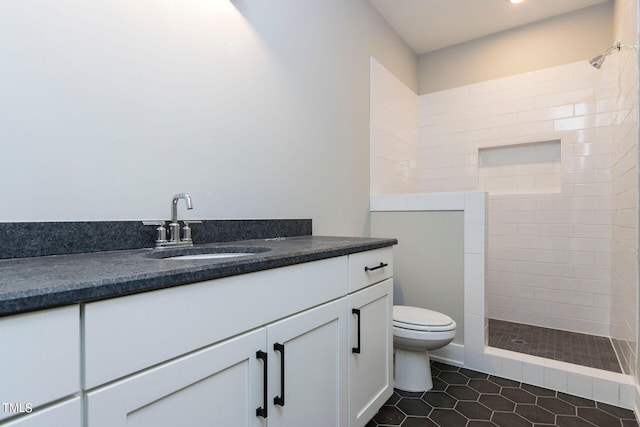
<point x="262" y="411"/>
<point x="357" y="313"/>
<point x="382" y="265"/>
<point x="279" y="400"/>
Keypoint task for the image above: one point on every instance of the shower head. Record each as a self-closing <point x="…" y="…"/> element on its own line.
<point x="597" y="61"/>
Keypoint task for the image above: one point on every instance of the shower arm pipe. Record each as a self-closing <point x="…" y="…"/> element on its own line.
<point x="621" y="45"/>
<point x="618" y="46"/>
<point x="597" y="61"/>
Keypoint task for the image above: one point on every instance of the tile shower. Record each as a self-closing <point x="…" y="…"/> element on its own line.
<point x="557" y="255"/>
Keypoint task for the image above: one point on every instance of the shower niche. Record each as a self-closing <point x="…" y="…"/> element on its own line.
<point x="529" y="168"/>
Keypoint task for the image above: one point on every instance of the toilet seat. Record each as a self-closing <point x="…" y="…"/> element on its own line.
<point x="421" y="319"/>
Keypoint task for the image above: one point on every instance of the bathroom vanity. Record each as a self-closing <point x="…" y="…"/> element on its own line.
<point x="299" y="334"/>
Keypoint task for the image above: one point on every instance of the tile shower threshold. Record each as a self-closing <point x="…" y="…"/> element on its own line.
<point x="603" y="386"/>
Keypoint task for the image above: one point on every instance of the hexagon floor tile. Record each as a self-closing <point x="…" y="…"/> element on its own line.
<point x="464" y="398"/>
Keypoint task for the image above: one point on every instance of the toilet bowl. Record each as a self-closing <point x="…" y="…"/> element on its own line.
<point x="416" y="331"/>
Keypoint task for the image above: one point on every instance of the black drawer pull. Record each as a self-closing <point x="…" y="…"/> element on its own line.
<point x="262" y="411"/>
<point x="357" y="313"/>
<point x="382" y="265"/>
<point x="279" y="400"/>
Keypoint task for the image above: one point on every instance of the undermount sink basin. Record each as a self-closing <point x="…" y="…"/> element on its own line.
<point x="211" y="256"/>
<point x="208" y="253"/>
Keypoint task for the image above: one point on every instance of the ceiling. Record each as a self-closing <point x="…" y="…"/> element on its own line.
<point x="428" y="25"/>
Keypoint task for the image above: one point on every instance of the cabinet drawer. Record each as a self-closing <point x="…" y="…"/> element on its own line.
<point x="365" y="268"/>
<point x="128" y="334"/>
<point x="40" y="357"/>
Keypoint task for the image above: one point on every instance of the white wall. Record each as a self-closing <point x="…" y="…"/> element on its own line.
<point x="559" y="40"/>
<point x="257" y="109"/>
<point x="428" y="265"/>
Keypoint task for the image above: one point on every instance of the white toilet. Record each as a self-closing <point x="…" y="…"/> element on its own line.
<point x="416" y="331"/>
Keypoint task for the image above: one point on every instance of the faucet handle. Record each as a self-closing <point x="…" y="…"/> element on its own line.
<point x="161" y="231"/>
<point x="186" y="230"/>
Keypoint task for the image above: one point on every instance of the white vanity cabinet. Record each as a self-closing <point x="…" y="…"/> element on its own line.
<point x="273" y="348"/>
<point x="370" y="334"/>
<point x="164" y="358"/>
<point x="224" y="384"/>
<point x="40" y="360"/>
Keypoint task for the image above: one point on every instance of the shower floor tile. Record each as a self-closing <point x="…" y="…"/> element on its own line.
<point x="571" y="347"/>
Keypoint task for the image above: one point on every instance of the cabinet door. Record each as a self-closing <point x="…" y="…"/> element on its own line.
<point x="221" y="385"/>
<point x="314" y="346"/>
<point x="371" y="351"/>
<point x="40" y="357"/>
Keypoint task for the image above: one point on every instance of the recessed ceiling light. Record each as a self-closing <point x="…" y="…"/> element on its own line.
<point x="515" y="1"/>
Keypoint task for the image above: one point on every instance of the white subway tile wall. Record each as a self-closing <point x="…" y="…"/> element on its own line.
<point x="550" y="250"/>
<point x="624" y="176"/>
<point x="543" y="246"/>
<point x="394" y="140"/>
<point x="521" y="168"/>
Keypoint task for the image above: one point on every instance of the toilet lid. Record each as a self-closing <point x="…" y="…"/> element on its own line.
<point x="414" y="317"/>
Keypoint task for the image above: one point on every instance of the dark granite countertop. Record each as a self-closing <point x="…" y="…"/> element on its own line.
<point x="28" y="284"/>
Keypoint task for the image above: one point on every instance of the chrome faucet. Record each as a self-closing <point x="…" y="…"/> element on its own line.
<point x="174" y="226"/>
